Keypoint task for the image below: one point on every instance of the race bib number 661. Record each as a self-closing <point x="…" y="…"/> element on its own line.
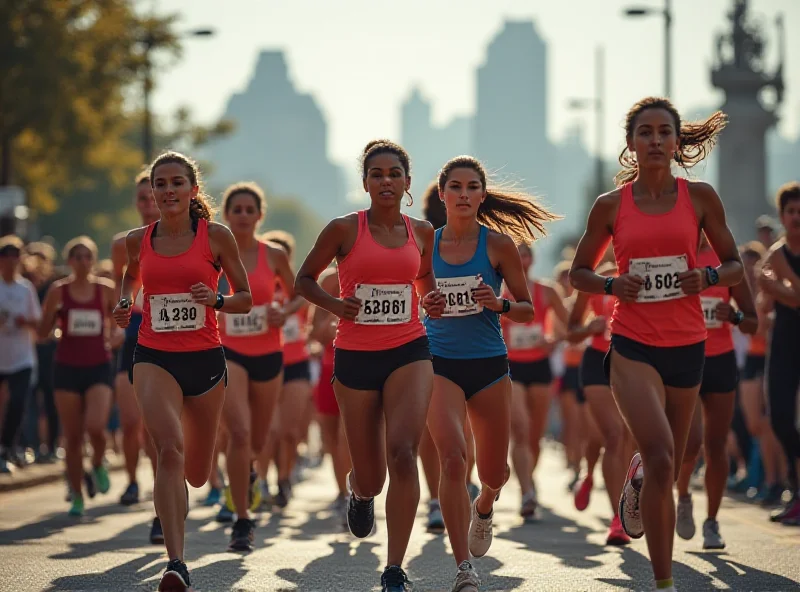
<point x="660" y="275"/>
<point x="176" y="312"/>
<point x="388" y="304"/>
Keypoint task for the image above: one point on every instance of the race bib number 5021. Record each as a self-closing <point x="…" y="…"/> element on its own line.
<point x="660" y="275"/>
<point x="176" y="312"/>
<point x="457" y="292"/>
<point x="388" y="304"/>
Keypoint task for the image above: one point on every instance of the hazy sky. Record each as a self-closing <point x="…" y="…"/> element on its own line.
<point x="359" y="58"/>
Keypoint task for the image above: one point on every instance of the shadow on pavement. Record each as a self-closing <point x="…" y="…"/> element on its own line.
<point x="338" y="570"/>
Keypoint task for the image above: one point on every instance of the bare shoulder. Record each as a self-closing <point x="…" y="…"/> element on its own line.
<point x="107" y="284"/>
<point x="497" y="241"/>
<point x="276" y="252"/>
<point x="609" y="200"/>
<point x="134" y="237"/>
<point x="219" y="231"/>
<point x="701" y="189"/>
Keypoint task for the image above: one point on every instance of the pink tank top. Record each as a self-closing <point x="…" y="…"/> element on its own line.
<point x="658" y="247"/>
<point x="521" y="338"/>
<point x="720" y="333"/>
<point x="383" y="279"/>
<point x="602" y="305"/>
<point x="170" y="320"/>
<point x="248" y="334"/>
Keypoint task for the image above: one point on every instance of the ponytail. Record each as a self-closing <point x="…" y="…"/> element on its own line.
<point x="199" y="208"/>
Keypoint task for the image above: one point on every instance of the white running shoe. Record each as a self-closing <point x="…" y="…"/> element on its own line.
<point x="629" y="512"/>
<point x="480" y="532"/>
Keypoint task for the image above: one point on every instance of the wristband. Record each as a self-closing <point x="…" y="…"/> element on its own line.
<point x="220" y="301"/>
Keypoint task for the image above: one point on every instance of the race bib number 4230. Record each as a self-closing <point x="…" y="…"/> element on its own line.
<point x="176" y="312"/>
<point x="660" y="275"/>
<point x="388" y="304"/>
<point x="457" y="292"/>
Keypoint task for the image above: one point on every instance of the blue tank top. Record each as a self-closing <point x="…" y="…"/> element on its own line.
<point x="466" y="335"/>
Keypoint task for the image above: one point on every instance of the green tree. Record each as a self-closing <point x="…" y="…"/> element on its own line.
<point x="64" y="69"/>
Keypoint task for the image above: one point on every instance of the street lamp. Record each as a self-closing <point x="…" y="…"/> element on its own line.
<point x="597" y="103"/>
<point x="667" y="14"/>
<point x="147" y="130"/>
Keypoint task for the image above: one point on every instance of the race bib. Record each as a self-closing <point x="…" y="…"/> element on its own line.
<point x="84" y="323"/>
<point x="176" y="312"/>
<point x="291" y="329"/>
<point x="388" y="304"/>
<point x="246" y="325"/>
<point x="525" y="336"/>
<point x="660" y="275"/>
<point x="709" y="305"/>
<point x="457" y="292"/>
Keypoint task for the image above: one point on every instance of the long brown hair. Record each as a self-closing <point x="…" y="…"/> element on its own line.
<point x="696" y="139"/>
<point x="514" y="213"/>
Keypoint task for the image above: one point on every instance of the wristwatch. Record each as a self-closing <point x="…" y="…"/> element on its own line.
<point x="506" y="306"/>
<point x="738" y="317"/>
<point x="712" y="277"/>
<point x="220" y="301"/>
<point x="607" y="285"/>
<point x="124" y="303"/>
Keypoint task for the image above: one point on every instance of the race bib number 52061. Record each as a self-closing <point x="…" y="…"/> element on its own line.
<point x="176" y="312"/>
<point x="660" y="275"/>
<point x="388" y="304"/>
<point x="458" y="298"/>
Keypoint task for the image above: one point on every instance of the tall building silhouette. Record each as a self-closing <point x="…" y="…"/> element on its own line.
<point x="280" y="141"/>
<point x="430" y="146"/>
<point x="510" y="130"/>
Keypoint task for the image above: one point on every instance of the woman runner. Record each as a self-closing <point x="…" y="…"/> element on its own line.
<point x="529" y="347"/>
<point x="382" y="368"/>
<point x="658" y="331"/>
<point x="83" y="304"/>
<point x="472" y="256"/>
<point x="602" y="409"/>
<point x="179" y="370"/>
<point x="717" y="397"/>
<point x="253" y="351"/>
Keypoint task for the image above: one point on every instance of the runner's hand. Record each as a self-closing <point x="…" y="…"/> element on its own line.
<point x="348" y="308"/>
<point x="433" y="303"/>
<point x="275" y="315"/>
<point x="723" y="312"/>
<point x="485" y="296"/>
<point x="693" y="281"/>
<point x="626" y="287"/>
<point x="202" y="294"/>
<point x="597" y="326"/>
<point x="122" y="313"/>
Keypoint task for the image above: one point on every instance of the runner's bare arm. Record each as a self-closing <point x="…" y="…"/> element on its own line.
<point x="715" y="225"/>
<point x="593" y="245"/>
<point x="504" y="252"/>
<point x="224" y="245"/>
<point x="426" y="280"/>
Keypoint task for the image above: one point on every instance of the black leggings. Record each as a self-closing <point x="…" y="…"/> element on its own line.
<point x="45" y="353"/>
<point x="19" y="384"/>
<point x="783" y="380"/>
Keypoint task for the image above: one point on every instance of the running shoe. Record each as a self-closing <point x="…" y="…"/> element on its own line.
<point x="213" y="497"/>
<point x="629" y="512"/>
<point x="394" y="579"/>
<point x="684" y="522"/>
<point x="131" y="495"/>
<point x="76" y="510"/>
<point x="712" y="540"/>
<point x="101" y="478"/>
<point x="156" y="532"/>
<point x="435" y="518"/>
<point x="89" y="482"/>
<point x="175" y="578"/>
<point x="242" y="535"/>
<point x="792" y="515"/>
<point x="226" y="510"/>
<point x="361" y="516"/>
<point x="466" y="579"/>
<point x="778" y="515"/>
<point x="254" y="494"/>
<point x="284" y="494"/>
<point x="583" y="493"/>
<point x="529" y="505"/>
<point x="616" y="534"/>
<point x="480" y="532"/>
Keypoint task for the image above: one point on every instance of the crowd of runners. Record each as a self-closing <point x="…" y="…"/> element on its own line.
<point x="669" y="351"/>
